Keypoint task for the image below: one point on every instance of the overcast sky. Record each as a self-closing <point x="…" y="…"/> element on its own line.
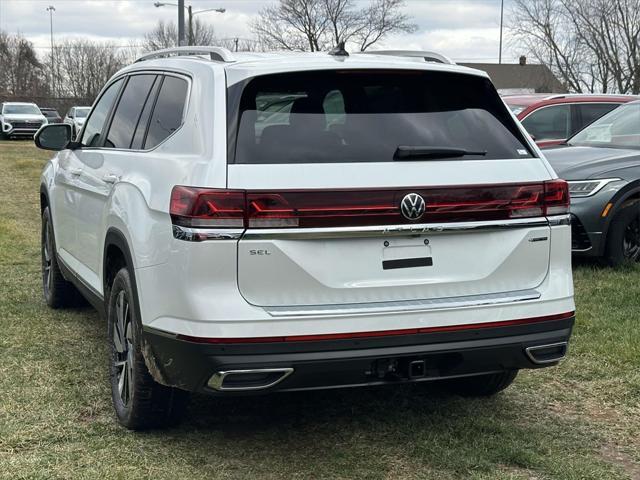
<point x="466" y="30"/>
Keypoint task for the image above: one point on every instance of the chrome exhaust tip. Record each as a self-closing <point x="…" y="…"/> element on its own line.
<point x="549" y="353"/>
<point x="248" y="380"/>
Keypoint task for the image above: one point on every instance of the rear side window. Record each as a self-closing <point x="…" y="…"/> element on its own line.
<point x="92" y="135"/>
<point x="364" y="116"/>
<point x="128" y="111"/>
<point x="590" y="112"/>
<point x="549" y="123"/>
<point x="168" y="111"/>
<point x="143" y="121"/>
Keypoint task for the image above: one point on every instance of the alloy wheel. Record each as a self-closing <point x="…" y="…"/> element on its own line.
<point x="123" y="347"/>
<point x="631" y="240"/>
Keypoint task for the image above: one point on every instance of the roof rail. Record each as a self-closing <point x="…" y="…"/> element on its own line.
<point x="555" y="96"/>
<point x="426" y="55"/>
<point x="218" y="54"/>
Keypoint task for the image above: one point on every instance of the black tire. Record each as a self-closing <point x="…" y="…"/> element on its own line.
<point x="139" y="401"/>
<point x="623" y="237"/>
<point x="58" y="293"/>
<point x="481" y="385"/>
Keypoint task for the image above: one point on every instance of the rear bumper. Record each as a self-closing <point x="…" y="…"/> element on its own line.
<point x="306" y="365"/>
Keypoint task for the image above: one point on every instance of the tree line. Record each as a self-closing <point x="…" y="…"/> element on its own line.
<point x="590" y="45"/>
<point x="77" y="69"/>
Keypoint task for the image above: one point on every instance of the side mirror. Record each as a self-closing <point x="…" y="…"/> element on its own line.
<point x="54" y="136"/>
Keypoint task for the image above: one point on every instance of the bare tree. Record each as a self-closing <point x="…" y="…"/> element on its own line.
<point x="165" y="35"/>
<point x="21" y="73"/>
<point x="83" y="67"/>
<point x="592" y="45"/>
<point x="382" y="18"/>
<point x="316" y="25"/>
<point x="237" y="44"/>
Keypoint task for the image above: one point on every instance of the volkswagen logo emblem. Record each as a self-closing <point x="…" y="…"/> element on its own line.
<point x="412" y="206"/>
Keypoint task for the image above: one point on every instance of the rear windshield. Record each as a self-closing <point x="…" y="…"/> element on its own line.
<point x="364" y="116"/>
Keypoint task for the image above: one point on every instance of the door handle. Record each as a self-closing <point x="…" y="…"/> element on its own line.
<point x="75" y="171"/>
<point x="110" y="178"/>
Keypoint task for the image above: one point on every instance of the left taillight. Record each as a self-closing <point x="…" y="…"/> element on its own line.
<point x="205" y="207"/>
<point x="556" y="197"/>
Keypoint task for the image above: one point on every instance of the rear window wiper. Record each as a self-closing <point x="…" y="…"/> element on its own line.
<point x="404" y="152"/>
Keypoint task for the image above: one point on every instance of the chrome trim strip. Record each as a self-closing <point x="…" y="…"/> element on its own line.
<point x="403" y="305"/>
<point x="557" y="220"/>
<point x="204" y="234"/>
<point x="217" y="379"/>
<point x="394" y="230"/>
<point x="529" y="353"/>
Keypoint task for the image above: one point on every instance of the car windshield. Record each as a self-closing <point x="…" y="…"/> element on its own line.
<point x="516" y="109"/>
<point x="618" y="129"/>
<point x="366" y="115"/>
<point x="82" y="112"/>
<point x="50" y="113"/>
<point x="21" y="110"/>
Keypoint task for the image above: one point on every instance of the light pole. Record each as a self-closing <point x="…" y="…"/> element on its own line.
<point x="52" y="9"/>
<point x="501" y="21"/>
<point x="191" y="14"/>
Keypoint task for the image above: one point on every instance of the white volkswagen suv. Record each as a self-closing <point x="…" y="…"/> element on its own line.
<point x="275" y="222"/>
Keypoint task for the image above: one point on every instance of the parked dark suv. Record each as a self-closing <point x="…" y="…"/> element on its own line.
<point x="51" y="114"/>
<point x="602" y="165"/>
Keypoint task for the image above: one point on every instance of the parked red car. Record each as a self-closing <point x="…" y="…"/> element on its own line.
<point x="552" y="118"/>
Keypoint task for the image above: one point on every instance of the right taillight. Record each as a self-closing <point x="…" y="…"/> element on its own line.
<point x="556" y="197"/>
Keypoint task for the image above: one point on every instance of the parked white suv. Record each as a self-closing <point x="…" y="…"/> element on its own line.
<point x="276" y="222"/>
<point x="76" y="117"/>
<point x="20" y="119"/>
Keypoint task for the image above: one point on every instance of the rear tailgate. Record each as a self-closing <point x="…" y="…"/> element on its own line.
<point x="337" y="213"/>
<point x="394" y="259"/>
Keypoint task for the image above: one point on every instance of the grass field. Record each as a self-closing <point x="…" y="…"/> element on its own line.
<point x="580" y="420"/>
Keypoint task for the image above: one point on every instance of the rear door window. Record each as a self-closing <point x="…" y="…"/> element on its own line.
<point x="128" y="111"/>
<point x="364" y="116"/>
<point x="168" y="111"/>
<point x="549" y="123"/>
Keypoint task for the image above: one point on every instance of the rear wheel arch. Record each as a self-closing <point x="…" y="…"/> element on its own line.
<point x="117" y="255"/>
